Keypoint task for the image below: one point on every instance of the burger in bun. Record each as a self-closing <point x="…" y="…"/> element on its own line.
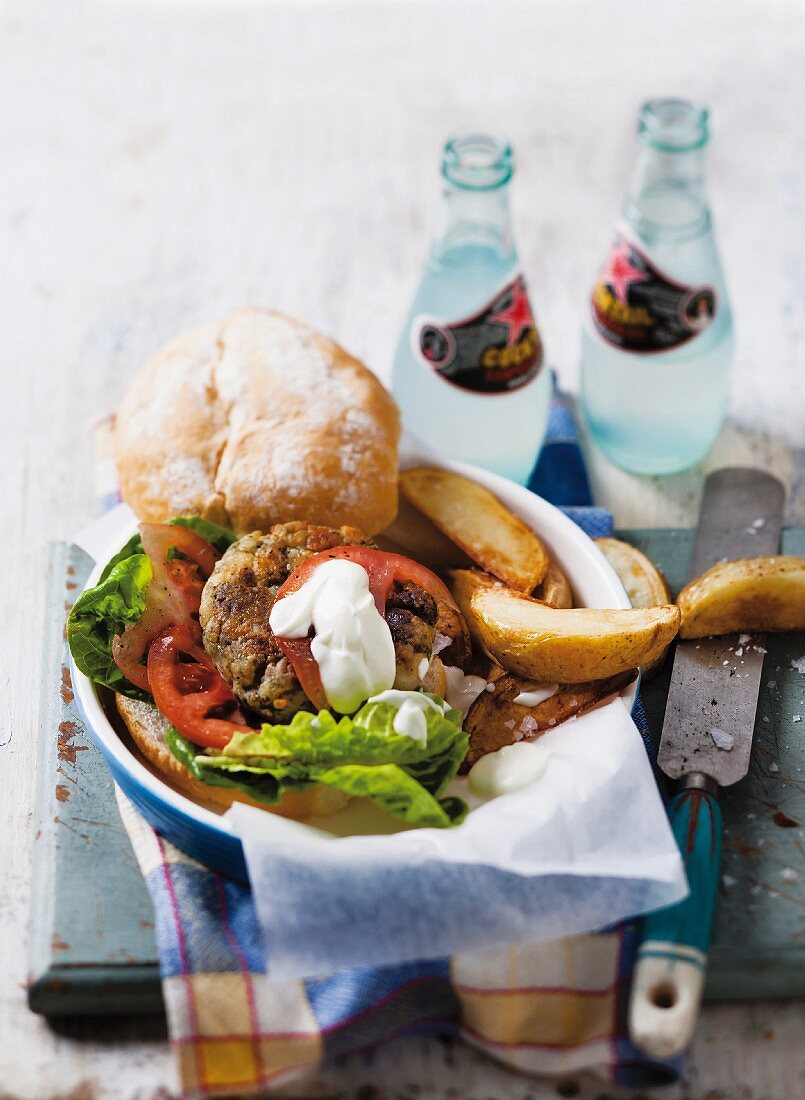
<point x="258" y="645"/>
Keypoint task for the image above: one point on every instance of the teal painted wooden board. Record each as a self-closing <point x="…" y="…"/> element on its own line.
<point x="92" y="940"/>
<point x="758" y="946"/>
<point x="92" y="945"/>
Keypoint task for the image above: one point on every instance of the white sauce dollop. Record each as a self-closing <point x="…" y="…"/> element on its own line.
<point x="410" y="718"/>
<point x="534" y="698"/>
<point x="509" y="769"/>
<point x="352" y="645"/>
<point x="462" y="691"/>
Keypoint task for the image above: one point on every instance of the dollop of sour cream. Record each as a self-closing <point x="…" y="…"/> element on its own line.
<point x="352" y="646"/>
<point x="462" y="691"/>
<point x="509" y="769"/>
<point x="411" y="706"/>
<point x="534" y="698"/>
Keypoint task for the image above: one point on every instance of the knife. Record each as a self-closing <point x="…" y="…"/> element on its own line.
<point x="706" y="744"/>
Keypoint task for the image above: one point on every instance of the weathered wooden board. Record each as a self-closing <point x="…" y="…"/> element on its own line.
<point x="758" y="947"/>
<point x="92" y="946"/>
<point x="91" y="941"/>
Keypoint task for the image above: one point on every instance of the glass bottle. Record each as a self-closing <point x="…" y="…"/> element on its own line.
<point x="658" y="339"/>
<point x="468" y="373"/>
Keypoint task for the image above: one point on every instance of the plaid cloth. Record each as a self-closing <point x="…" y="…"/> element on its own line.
<point x="551" y="1008"/>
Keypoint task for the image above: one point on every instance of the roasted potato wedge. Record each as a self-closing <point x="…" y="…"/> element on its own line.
<point x="462" y="583"/>
<point x="750" y="594"/>
<point x="555" y="590"/>
<point x="543" y="643"/>
<point x="495" y="720"/>
<point x="413" y="534"/>
<point x="435" y="679"/>
<point x="479" y="524"/>
<point x="453" y="624"/>
<point x="644" y="583"/>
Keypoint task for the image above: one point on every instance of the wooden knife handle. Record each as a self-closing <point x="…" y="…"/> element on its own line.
<point x="669" y="971"/>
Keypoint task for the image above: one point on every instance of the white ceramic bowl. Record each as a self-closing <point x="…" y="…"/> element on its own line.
<point x="200" y="830"/>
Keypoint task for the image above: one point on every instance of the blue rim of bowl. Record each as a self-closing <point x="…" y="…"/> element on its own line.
<point x="197" y="831"/>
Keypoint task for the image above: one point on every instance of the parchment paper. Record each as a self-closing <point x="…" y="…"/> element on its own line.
<point x="587" y="845"/>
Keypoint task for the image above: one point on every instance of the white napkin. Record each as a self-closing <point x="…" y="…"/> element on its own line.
<point x="587" y="845"/>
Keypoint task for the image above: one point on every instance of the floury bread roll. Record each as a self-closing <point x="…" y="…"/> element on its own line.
<point x="254" y="421"/>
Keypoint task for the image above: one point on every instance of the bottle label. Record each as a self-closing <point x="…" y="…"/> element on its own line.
<point x="496" y="350"/>
<point x="639" y="308"/>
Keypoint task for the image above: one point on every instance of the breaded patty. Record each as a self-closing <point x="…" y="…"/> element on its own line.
<point x="237" y="601"/>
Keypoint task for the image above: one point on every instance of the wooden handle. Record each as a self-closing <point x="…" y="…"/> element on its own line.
<point x="669" y="972"/>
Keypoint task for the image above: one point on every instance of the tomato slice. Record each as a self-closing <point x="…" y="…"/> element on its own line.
<point x="159" y="538"/>
<point x="173" y="595"/>
<point x="190" y="691"/>
<point x="383" y="570"/>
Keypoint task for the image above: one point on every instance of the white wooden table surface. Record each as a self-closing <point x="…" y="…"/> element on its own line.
<point x="165" y="163"/>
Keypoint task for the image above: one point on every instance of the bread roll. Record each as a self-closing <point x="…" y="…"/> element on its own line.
<point x="254" y="421"/>
<point x="148" y="726"/>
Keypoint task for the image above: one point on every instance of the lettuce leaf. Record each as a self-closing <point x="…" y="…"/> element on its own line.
<point x="362" y="756"/>
<point x="117" y="601"/>
<point x="100" y="613"/>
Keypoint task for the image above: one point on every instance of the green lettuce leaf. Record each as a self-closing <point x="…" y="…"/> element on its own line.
<point x="100" y="613"/>
<point x="362" y="756"/>
<point x="221" y="537"/>
<point x="117" y="601"/>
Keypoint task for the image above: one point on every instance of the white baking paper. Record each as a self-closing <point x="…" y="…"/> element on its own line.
<point x="585" y="846"/>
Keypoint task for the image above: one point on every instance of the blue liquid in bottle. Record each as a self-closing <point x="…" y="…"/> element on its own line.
<point x="658" y="341"/>
<point x="468" y="373"/>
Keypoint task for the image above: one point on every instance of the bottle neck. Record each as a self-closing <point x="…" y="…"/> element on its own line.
<point x="667" y="192"/>
<point x="476" y="226"/>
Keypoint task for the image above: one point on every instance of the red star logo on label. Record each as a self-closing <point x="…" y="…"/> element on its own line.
<point x="620" y="272"/>
<point x="517" y="314"/>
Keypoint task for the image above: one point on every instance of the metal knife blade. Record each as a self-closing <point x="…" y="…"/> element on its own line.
<point x="712" y="700"/>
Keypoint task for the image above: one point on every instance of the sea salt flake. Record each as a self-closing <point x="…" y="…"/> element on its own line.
<point x="728" y="881"/>
<point x="529" y="724"/>
<point x="799" y="665"/>
<point x="796" y="718"/>
<point x="757" y="523"/>
<point x="722" y="740"/>
<point x="788" y="874"/>
<point x="774" y="767"/>
<point x="440" y="642"/>
<point x="509" y="725"/>
<point x="739" y="651"/>
<point x="744" y="638"/>
<point x="765" y="718"/>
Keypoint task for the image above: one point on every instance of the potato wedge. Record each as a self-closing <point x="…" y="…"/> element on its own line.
<point x="462" y="583"/>
<point x="477" y="522"/>
<point x="453" y="624"/>
<point x="644" y="583"/>
<point x="555" y="590"/>
<point x="412" y="534"/>
<point x="568" y="647"/>
<point x="495" y="720"/>
<point x="435" y="679"/>
<point x="749" y="594"/>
